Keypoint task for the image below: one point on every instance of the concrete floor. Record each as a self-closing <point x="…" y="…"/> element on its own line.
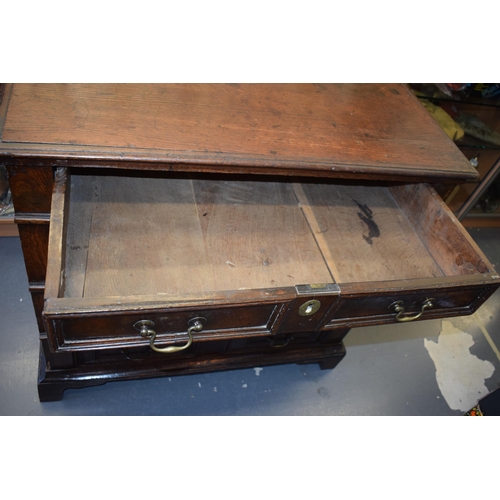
<point x="388" y="370"/>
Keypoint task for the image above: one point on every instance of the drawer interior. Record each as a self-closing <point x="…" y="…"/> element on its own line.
<point x="129" y="236"/>
<point x="144" y="236"/>
<point x="384" y="233"/>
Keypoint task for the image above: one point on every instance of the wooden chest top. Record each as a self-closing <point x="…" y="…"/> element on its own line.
<point x="360" y="131"/>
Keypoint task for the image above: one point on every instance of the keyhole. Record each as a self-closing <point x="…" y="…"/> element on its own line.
<point x="309" y="308"/>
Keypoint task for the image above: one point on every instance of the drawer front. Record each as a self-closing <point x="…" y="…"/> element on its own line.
<point x="406" y="249"/>
<point x="383" y="308"/>
<point x="121" y="329"/>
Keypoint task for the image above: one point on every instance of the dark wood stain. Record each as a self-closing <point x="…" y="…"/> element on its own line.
<point x="366" y="215"/>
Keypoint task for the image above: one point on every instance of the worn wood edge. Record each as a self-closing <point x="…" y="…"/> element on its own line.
<point x="55" y="263"/>
<point x="110" y="305"/>
<point x="468" y="240"/>
<point x="210" y="162"/>
<point x="435" y="124"/>
<point x="31" y="218"/>
<point x="419" y="284"/>
<point x="460" y="228"/>
<point x="312" y="222"/>
<point x="65" y="307"/>
<point x="61" y="152"/>
<point x="4" y="105"/>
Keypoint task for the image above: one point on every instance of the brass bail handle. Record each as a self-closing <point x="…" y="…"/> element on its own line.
<point x="399" y="309"/>
<point x="145" y="329"/>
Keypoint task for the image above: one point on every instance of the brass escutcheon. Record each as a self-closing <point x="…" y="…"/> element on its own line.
<point x="310" y="307"/>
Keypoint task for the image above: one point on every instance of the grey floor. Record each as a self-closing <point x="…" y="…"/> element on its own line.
<point x="422" y="368"/>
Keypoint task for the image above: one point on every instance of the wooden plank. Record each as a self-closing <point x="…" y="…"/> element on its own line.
<point x="360" y="129"/>
<point x="145" y="238"/>
<point x="63" y="307"/>
<point x="151" y="160"/>
<point x="158" y="236"/>
<point x="363" y="234"/>
<point x="256" y="236"/>
<point x="56" y="255"/>
<point x="84" y="193"/>
<point x="443" y="282"/>
<point x="309" y="213"/>
<point x="446" y="240"/>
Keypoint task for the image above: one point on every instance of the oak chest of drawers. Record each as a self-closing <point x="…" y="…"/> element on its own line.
<point x="173" y="229"/>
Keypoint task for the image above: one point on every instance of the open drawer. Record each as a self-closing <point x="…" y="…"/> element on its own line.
<point x="175" y="261"/>
<point x="397" y="254"/>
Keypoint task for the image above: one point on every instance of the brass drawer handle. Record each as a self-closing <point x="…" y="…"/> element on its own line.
<point x="145" y="329"/>
<point x="399" y="309"/>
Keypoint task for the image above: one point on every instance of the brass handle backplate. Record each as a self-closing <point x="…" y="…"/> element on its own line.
<point x="399" y="309"/>
<point x="145" y="328"/>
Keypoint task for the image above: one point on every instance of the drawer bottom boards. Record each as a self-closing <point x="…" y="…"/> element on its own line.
<point x="92" y="368"/>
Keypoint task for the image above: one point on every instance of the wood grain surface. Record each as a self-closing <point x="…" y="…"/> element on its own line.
<point x="143" y="236"/>
<point x="440" y="231"/>
<point x="139" y="236"/>
<point x="338" y="129"/>
<point x="56" y="260"/>
<point x="363" y="234"/>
